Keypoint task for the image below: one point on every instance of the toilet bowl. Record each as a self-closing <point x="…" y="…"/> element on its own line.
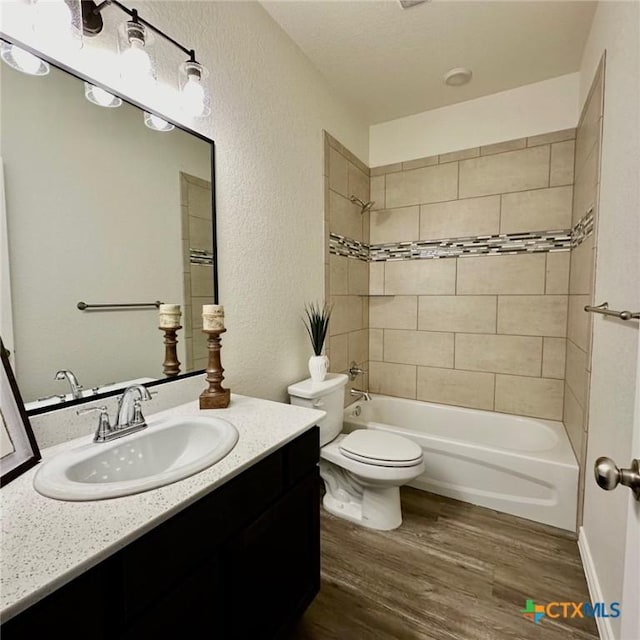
<point x="362" y="470"/>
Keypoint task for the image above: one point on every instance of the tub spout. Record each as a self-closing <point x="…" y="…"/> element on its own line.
<point x="361" y="395"/>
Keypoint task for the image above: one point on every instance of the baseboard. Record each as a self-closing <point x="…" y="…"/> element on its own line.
<point x="595" y="592"/>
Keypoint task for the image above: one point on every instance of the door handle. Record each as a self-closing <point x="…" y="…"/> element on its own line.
<point x="609" y="476"/>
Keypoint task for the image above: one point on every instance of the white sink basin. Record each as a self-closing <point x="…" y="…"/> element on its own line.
<point x="164" y="452"/>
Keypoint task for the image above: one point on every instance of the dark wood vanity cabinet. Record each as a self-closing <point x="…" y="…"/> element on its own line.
<point x="241" y="562"/>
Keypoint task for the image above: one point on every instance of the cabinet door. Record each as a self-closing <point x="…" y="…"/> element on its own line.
<point x="274" y="565"/>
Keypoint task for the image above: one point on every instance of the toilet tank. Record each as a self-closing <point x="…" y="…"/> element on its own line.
<point x="328" y="396"/>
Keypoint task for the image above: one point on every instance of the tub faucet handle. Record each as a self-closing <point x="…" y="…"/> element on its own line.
<point x="355" y="370"/>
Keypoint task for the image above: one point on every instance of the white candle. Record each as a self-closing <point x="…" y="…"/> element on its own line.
<point x="212" y="317"/>
<point x="169" y="316"/>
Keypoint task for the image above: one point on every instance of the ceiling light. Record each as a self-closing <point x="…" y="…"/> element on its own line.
<point x="194" y="97"/>
<point x="458" y="76"/>
<point x="407" y="4"/>
<point x="157" y="123"/>
<point x="100" y="97"/>
<point x="22" y="60"/>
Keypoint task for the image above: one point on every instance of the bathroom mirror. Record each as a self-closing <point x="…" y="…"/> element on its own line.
<point x="99" y="209"/>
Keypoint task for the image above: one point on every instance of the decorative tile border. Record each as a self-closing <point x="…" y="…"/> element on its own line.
<point x="200" y="256"/>
<point x="501" y="244"/>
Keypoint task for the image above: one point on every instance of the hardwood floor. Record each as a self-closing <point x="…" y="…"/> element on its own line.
<point x="453" y="571"/>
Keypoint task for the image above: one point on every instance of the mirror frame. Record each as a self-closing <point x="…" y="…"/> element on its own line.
<point x="85" y="78"/>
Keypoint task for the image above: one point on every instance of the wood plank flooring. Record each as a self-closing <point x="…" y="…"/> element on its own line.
<point x="453" y="571"/>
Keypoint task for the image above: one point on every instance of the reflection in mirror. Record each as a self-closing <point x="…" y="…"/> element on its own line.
<point x="100" y="209"/>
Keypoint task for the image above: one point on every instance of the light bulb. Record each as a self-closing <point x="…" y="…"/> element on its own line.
<point x="100" y="97"/>
<point x="136" y="61"/>
<point x="22" y="60"/>
<point x="157" y="123"/>
<point x="193" y="97"/>
<point x="55" y="24"/>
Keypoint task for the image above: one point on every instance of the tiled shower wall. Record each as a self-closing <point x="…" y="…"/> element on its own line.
<point x="486" y="331"/>
<point x="347" y="278"/>
<point x="581" y="281"/>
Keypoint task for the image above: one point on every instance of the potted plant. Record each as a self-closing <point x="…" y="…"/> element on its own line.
<point x="316" y="323"/>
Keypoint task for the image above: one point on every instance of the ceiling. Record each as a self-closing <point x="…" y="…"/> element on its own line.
<point x="389" y="62"/>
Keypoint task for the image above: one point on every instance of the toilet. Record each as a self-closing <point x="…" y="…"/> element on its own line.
<point x="362" y="470"/>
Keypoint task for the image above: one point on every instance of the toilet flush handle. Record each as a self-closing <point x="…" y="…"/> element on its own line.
<point x="318" y="403"/>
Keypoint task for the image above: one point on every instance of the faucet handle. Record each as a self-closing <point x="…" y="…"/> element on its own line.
<point x="104" y="426"/>
<point x="138" y="418"/>
<point x="355" y="370"/>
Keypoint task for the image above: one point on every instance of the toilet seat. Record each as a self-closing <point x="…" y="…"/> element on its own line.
<point x="380" y="449"/>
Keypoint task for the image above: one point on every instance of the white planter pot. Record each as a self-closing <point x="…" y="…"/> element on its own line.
<point x="318" y="367"/>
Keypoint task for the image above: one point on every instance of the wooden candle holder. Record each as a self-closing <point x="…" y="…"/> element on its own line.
<point x="171" y="364"/>
<point x="215" y="397"/>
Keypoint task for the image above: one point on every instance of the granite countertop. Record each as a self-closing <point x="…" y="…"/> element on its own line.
<point x="46" y="543"/>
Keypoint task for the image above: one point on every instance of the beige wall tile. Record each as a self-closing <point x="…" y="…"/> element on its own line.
<point x="395" y="225"/>
<point x="393" y="312"/>
<point x="576" y="372"/>
<point x="426" y="348"/>
<point x="201" y="280"/>
<point x="338" y="279"/>
<point x="200" y="203"/>
<point x="459" y="218"/>
<point x="588" y="131"/>
<point x="187" y="321"/>
<point x="197" y="311"/>
<point x="500" y="354"/>
<point x="501" y="147"/>
<point x="561" y="171"/>
<point x="519" y="274"/>
<point x="582" y="264"/>
<point x="430" y="184"/>
<point x="557" y="270"/>
<point x="339" y="353"/>
<point x="536" y="397"/>
<point x="554" y="352"/>
<point x="345" y="218"/>
<point x="375" y="344"/>
<point x="358" y="183"/>
<point x="346" y="314"/>
<point x="376" y="278"/>
<point x="474" y="152"/>
<point x="358" y="277"/>
<point x="377" y="190"/>
<point x="338" y="173"/>
<point x="533" y="315"/>
<point x="505" y="172"/>
<point x="585" y="190"/>
<point x="466" y="314"/>
<point x="421" y="277"/>
<point x="419" y="163"/>
<point x="392" y="379"/>
<point x="365" y="311"/>
<point x="359" y="347"/>
<point x="573" y="421"/>
<point x="200" y="233"/>
<point x="548" y="138"/>
<point x="579" y="324"/>
<point x="366" y="227"/>
<point x="461" y="388"/>
<point x="387" y="168"/>
<point x="537" y="210"/>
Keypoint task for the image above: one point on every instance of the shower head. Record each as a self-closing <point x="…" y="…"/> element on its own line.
<point x="364" y="206"/>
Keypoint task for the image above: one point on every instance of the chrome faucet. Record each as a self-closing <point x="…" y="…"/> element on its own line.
<point x="76" y="387"/>
<point x="129" y="418"/>
<point x="362" y="395"/>
<point x="129" y="410"/>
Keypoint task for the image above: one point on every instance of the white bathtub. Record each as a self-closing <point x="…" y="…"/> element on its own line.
<point x="522" y="466"/>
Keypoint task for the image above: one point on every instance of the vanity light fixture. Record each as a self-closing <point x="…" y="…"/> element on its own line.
<point x="194" y="97"/>
<point x="100" y="97"/>
<point x="135" y="46"/>
<point x="156" y="122"/>
<point x="58" y="22"/>
<point x="23" y="60"/>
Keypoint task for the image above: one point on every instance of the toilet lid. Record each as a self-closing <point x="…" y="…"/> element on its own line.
<point x="380" y="448"/>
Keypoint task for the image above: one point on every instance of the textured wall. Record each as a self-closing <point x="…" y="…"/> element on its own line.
<point x="521" y="112"/>
<point x="269" y="107"/>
